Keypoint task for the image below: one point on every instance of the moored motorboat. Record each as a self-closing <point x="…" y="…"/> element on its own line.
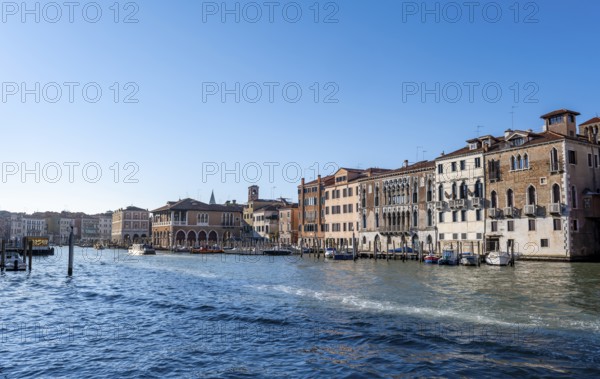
<point x="277" y="251"/>
<point x="207" y="250"/>
<point x="431" y="258"/>
<point x="498" y="258"/>
<point x="449" y="258"/>
<point x="468" y="259"/>
<point x="141" y="249"/>
<point x="15" y="262"/>
<point x="330" y="252"/>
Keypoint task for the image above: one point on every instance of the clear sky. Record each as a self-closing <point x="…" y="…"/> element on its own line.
<point x="394" y="80"/>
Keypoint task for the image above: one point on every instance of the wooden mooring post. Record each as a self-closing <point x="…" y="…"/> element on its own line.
<point x="30" y="254"/>
<point x="71" y="253"/>
<point x="3" y="256"/>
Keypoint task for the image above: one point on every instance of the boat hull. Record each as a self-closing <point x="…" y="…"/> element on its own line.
<point x="277" y="252"/>
<point x="494" y="259"/>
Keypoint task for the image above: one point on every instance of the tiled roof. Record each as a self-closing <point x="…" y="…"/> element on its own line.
<point x="559" y="112"/>
<point x="195" y="205"/>
<point x="594" y="120"/>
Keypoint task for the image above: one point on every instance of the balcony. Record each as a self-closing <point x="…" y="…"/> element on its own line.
<point x="440" y="205"/>
<point x="494" y="212"/>
<point x="531" y="210"/>
<point x="555" y="208"/>
<point x="510" y="212"/>
<point x="457" y="204"/>
<point x="478" y="202"/>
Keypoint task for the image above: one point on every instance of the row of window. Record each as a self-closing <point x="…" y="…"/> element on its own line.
<point x="458" y="166"/>
<point x="531" y="196"/>
<point x="339" y="209"/>
<point x="336" y="194"/>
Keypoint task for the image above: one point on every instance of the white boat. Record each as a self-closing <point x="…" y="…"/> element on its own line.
<point x="498" y="258"/>
<point x="468" y="259"/>
<point x="330" y="253"/>
<point x="141" y="249"/>
<point x="15" y="262"/>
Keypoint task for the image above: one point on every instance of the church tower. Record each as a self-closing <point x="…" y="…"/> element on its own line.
<point x="252" y="193"/>
<point x="212" y="198"/>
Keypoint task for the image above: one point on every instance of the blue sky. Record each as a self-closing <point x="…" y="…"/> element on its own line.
<point x="371" y="67"/>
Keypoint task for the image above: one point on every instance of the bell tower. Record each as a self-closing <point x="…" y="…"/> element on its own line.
<point x="562" y="121"/>
<point x="252" y="193"/>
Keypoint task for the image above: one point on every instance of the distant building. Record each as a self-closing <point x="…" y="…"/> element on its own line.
<point x="130" y="225"/>
<point x="255" y="202"/>
<point x="190" y="222"/>
<point x="266" y="222"/>
<point x="288" y="224"/>
<point x="105" y="227"/>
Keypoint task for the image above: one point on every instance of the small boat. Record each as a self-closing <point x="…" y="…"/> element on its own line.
<point x="277" y="251"/>
<point x="431" y="259"/>
<point x="207" y="250"/>
<point x="448" y="258"/>
<point x="181" y="249"/>
<point x="98" y="246"/>
<point x="497" y="258"/>
<point x="141" y="249"/>
<point x="15" y="262"/>
<point x="468" y="259"/>
<point x="330" y="252"/>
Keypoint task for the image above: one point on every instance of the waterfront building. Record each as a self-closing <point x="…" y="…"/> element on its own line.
<point x="130" y="225"/>
<point x="396" y="208"/>
<point x="459" y="193"/>
<point x="341" y="218"/>
<point x="190" y="222"/>
<point x="288" y="224"/>
<point x="311" y="210"/>
<point x="254" y="203"/>
<point x="105" y="226"/>
<point x="543" y="190"/>
<point x="266" y="222"/>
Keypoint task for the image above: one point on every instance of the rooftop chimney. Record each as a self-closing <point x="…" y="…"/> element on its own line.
<point x="405" y="163"/>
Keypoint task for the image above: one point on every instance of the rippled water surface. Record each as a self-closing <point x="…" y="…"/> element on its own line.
<point x="176" y="315"/>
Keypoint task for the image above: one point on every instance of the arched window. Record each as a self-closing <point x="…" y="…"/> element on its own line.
<point x="478" y="189"/>
<point x="555" y="194"/>
<point x="429" y="191"/>
<point x="494" y="199"/>
<point x="415" y="219"/>
<point x="441" y="193"/>
<point x="526" y="161"/>
<point x="573" y="197"/>
<point x="463" y="190"/>
<point x="454" y="190"/>
<point x="554" y="160"/>
<point x="519" y="162"/>
<point x="531" y="196"/>
<point x="429" y="218"/>
<point x="510" y="198"/>
<point x="377" y="220"/>
<point x="415" y="196"/>
<point x="377" y="196"/>
<point x="513" y="163"/>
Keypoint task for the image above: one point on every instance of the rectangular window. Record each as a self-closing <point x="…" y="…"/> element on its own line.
<point x="455" y="236"/>
<point x="478" y="214"/>
<point x="453" y="166"/>
<point x="575" y="225"/>
<point x="494" y="226"/>
<point x="572" y="157"/>
<point x="441" y="217"/>
<point x="479" y="236"/>
<point x="477" y="162"/>
<point x="531" y="225"/>
<point x="557" y="224"/>
<point x="463" y="236"/>
<point x="349" y="191"/>
<point x="590" y="160"/>
<point x="441" y="236"/>
<point x="544" y="243"/>
<point x="454" y="216"/>
<point x="463" y="165"/>
<point x="463" y="216"/>
<point x="510" y="226"/>
<point x="345" y="192"/>
<point x="440" y="169"/>
<point x="326" y="210"/>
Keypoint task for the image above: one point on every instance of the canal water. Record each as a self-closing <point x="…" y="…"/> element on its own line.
<point x="178" y="315"/>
